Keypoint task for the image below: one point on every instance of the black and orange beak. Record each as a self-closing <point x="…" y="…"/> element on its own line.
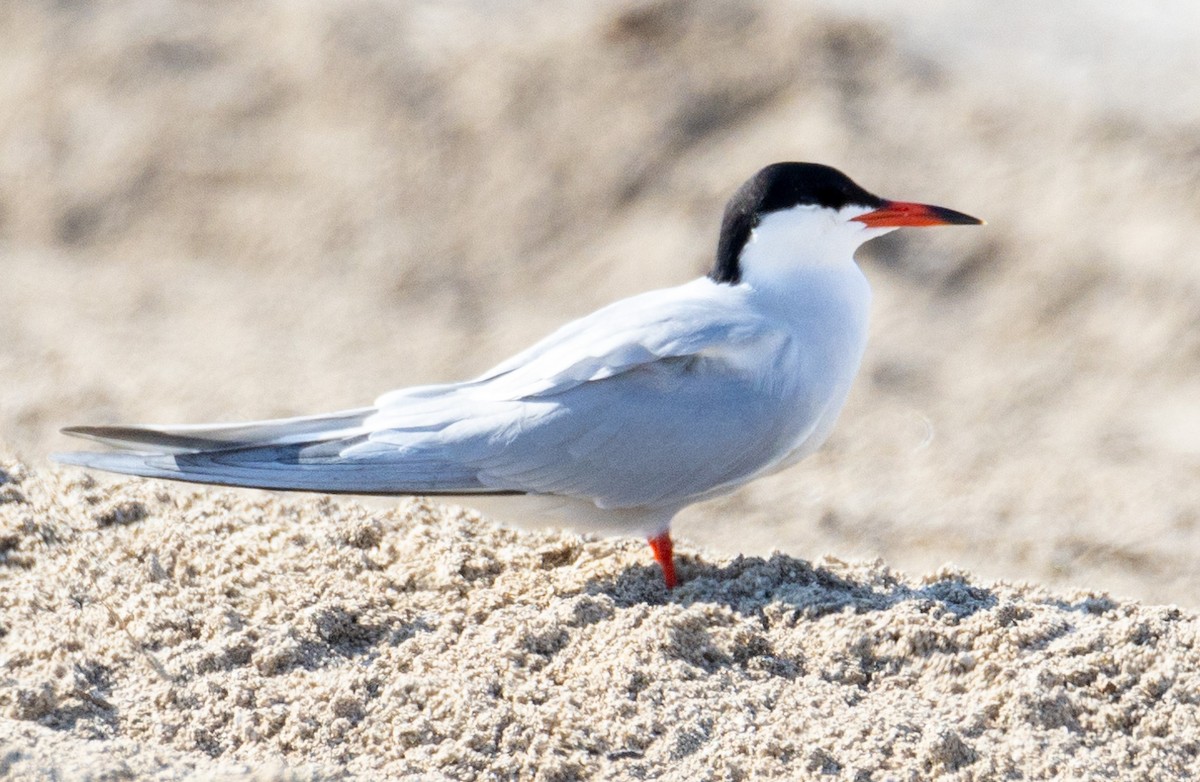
<point x="901" y="214"/>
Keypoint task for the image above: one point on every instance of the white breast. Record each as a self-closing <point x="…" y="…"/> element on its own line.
<point x="826" y="309"/>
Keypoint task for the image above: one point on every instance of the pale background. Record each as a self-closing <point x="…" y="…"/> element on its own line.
<point x="213" y="211"/>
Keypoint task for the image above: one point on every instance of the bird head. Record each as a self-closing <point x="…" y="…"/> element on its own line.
<point x="796" y="214"/>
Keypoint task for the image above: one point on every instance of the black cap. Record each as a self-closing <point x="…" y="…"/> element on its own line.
<point x="777" y="187"/>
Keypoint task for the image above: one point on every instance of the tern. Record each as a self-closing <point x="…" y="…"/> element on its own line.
<point x="616" y="421"/>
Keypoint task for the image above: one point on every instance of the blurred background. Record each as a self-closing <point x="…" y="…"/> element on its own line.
<point x="224" y="210"/>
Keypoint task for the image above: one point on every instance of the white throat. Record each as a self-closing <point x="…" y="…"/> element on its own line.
<point x="802" y="238"/>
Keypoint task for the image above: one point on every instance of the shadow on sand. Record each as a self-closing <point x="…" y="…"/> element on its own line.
<point x="748" y="585"/>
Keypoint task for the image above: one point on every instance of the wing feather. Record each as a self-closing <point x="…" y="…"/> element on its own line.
<point x="648" y="402"/>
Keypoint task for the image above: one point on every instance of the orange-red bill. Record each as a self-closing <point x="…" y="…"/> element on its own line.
<point x="902" y="214"/>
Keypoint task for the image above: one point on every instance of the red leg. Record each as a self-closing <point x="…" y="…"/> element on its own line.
<point x="664" y="553"/>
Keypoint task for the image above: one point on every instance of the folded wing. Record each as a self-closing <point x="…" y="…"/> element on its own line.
<point x="646" y="402"/>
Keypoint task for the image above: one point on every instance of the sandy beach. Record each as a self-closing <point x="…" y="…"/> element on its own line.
<point x="180" y="634"/>
<point x="231" y="212"/>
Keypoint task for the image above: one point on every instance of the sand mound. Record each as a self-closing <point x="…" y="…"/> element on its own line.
<point x="159" y="632"/>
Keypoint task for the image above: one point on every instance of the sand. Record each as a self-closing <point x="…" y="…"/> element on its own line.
<point x="182" y="634"/>
<point x="229" y="211"/>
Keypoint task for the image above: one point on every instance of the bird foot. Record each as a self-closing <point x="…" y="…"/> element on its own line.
<point x="664" y="552"/>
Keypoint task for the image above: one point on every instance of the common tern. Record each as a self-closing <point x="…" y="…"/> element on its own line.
<point x="616" y="421"/>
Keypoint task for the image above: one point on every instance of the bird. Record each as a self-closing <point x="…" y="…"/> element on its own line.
<point x="616" y="421"/>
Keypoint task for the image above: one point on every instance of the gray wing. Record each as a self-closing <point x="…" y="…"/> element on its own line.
<point x="661" y="434"/>
<point x="646" y="402"/>
<point x="300" y="454"/>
